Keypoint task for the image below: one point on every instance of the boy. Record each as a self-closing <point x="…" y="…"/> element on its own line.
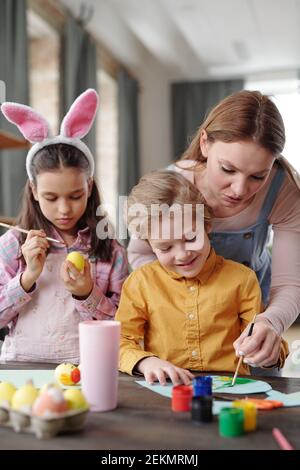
<point x="190" y="305"/>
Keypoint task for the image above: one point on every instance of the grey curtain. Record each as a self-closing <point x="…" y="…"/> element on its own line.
<point x="14" y="72"/>
<point x="78" y="70"/>
<point x="128" y="132"/>
<point x="191" y="102"/>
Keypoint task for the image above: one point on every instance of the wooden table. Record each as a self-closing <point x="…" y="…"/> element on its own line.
<point x="144" y="420"/>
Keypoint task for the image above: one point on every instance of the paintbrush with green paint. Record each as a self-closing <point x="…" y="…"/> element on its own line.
<point x="241" y="358"/>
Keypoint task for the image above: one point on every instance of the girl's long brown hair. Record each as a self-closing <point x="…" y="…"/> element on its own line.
<point x="242" y="116"/>
<point x="54" y="157"/>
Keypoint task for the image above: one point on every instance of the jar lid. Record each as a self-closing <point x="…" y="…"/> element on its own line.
<point x="202" y="385"/>
<point x="182" y="391"/>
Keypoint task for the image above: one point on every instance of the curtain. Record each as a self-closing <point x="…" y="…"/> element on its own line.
<point x="14" y="72"/>
<point x="78" y="70"/>
<point x="128" y="132"/>
<point x="191" y="102"/>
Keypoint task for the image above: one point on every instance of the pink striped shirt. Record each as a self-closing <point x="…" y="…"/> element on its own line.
<point x="43" y="323"/>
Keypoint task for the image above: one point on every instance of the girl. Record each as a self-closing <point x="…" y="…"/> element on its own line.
<point x="235" y="161"/>
<point x="43" y="296"/>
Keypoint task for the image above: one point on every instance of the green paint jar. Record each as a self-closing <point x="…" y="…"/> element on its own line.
<point x="231" y="422"/>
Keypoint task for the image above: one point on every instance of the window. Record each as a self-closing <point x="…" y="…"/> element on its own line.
<point x="43" y="68"/>
<point x="289" y="107"/>
<point x="285" y="93"/>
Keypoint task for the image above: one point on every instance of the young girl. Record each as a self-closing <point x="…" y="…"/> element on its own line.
<point x="43" y="296"/>
<point x="190" y="305"/>
<point x="235" y="161"/>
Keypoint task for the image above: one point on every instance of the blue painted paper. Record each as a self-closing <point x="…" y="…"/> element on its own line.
<point x="288" y="399"/>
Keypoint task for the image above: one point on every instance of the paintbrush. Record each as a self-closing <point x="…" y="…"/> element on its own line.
<point x="2" y="224"/>
<point x="241" y="358"/>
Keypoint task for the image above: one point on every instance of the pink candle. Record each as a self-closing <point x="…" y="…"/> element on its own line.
<point x="99" y="343"/>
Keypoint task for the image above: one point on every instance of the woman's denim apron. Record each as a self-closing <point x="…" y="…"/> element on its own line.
<point x="249" y="247"/>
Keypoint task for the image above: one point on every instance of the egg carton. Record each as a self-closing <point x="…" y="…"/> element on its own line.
<point x="43" y="427"/>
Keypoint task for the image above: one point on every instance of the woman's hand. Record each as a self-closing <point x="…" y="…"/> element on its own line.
<point x="262" y="348"/>
<point x="34" y="251"/>
<point x="155" y="369"/>
<point x="78" y="283"/>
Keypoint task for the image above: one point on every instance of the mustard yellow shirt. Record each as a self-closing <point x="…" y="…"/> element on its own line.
<point x="191" y="323"/>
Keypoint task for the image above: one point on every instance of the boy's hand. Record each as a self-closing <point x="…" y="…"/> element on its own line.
<point x="262" y="348"/>
<point x="155" y="369"/>
<point x="78" y="283"/>
<point x="34" y="251"/>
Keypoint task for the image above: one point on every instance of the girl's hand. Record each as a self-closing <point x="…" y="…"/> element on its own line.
<point x="78" y="283"/>
<point x="262" y="348"/>
<point x="155" y="369"/>
<point x="34" y="251"/>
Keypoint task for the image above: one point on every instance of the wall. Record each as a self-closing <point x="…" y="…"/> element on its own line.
<point x="155" y="116"/>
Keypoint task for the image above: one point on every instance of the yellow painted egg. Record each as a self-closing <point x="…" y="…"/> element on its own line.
<point x="77" y="259"/>
<point x="67" y="374"/>
<point x="7" y="390"/>
<point x="24" y="398"/>
<point x="75" y="399"/>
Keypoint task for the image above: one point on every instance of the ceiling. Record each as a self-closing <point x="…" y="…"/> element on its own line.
<point x="194" y="39"/>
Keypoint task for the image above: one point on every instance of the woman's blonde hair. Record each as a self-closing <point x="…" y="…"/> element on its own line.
<point x="245" y="115"/>
<point x="168" y="188"/>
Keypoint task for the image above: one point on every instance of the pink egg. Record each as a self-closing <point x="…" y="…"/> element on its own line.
<point x="50" y="403"/>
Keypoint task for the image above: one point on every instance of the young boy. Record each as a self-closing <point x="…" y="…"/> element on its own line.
<point x="189" y="306"/>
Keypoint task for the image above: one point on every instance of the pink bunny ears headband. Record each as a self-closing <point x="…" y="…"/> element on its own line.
<point x="75" y="125"/>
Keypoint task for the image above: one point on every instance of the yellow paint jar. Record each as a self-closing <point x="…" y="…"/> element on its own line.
<point x="250" y="413"/>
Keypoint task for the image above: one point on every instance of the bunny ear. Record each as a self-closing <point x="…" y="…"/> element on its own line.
<point x="81" y="115"/>
<point x="32" y="125"/>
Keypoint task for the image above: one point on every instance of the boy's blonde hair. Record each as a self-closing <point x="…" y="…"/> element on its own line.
<point x="164" y="187"/>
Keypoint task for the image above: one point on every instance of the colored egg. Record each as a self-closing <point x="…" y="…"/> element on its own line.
<point x="7" y="390"/>
<point x="75" y="399"/>
<point x="50" y="403"/>
<point x="24" y="398"/>
<point x="67" y="374"/>
<point x="77" y="259"/>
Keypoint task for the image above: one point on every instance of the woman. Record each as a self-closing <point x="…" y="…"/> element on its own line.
<point x="235" y="161"/>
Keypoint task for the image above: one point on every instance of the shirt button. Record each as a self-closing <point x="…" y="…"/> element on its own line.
<point x="191" y="316"/>
<point x="192" y="288"/>
<point x="194" y="353"/>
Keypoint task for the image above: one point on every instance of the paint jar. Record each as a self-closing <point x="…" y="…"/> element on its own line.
<point x="202" y="409"/>
<point x="182" y="397"/>
<point x="250" y="413"/>
<point x="202" y="385"/>
<point x="231" y="422"/>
